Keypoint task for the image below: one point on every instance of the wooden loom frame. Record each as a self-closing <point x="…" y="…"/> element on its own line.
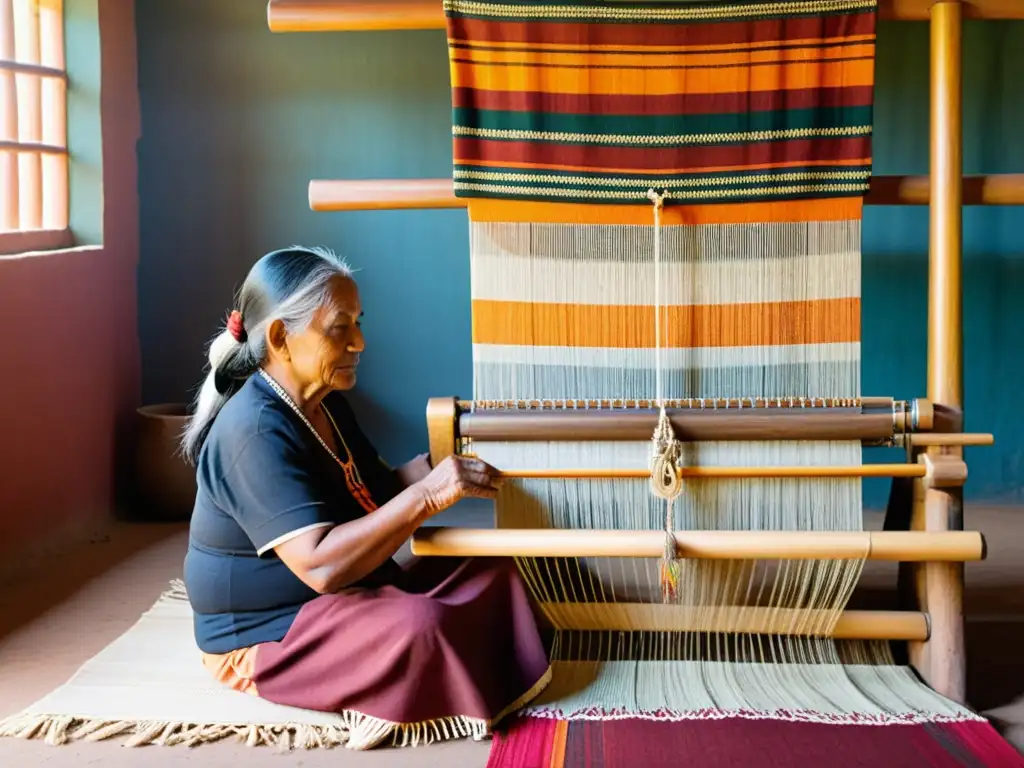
<point x="917" y="503"/>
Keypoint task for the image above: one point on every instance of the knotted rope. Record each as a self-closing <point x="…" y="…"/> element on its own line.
<point x="665" y="480"/>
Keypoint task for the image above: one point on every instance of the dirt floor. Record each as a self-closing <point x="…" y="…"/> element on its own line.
<point x="69" y="611"/>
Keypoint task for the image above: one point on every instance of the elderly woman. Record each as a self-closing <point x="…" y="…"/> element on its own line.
<point x="290" y="570"/>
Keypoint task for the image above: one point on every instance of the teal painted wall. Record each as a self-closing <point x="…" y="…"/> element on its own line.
<point x="82" y="54"/>
<point x="236" y="120"/>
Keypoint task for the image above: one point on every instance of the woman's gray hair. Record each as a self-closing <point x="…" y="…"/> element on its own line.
<point x="289" y="285"/>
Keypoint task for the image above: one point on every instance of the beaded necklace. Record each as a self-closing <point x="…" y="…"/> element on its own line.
<point x="353" y="481"/>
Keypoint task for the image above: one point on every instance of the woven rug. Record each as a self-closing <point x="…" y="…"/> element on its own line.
<point x="149" y="687"/>
<point x="734" y="743"/>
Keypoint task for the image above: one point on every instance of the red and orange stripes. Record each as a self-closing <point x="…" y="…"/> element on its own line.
<point x="822" y="321"/>
<point x="582" y="101"/>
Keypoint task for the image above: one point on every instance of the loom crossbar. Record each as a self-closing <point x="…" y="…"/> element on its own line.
<point x="892" y="546"/>
<point x="689" y="425"/>
<point x="871" y="420"/>
<point x="372" y="15"/>
<point x="336" y="195"/>
<point x="865" y="470"/>
<point x="657" y="617"/>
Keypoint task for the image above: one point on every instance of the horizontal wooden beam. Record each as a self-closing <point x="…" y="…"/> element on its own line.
<point x="373" y="15"/>
<point x="998" y="189"/>
<point x="696" y="473"/>
<point x="353" y="15"/>
<point x="893" y="546"/>
<point x="383" y="195"/>
<point x="660" y="617"/>
<point x="920" y="10"/>
<point x="423" y="194"/>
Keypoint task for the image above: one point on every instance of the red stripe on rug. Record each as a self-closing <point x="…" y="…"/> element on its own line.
<point x="528" y="742"/>
<point x="679" y="159"/>
<point x="983" y="742"/>
<point x="655" y="104"/>
<point x="740" y="743"/>
<point x="462" y="29"/>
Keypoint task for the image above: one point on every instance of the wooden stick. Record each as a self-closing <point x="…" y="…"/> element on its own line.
<point x="383" y="194"/>
<point x="353" y="15"/>
<point x="924" y="439"/>
<point x="368" y="15"/>
<point x="692" y="404"/>
<point x="919" y="10"/>
<point x="864" y="470"/>
<point x="327" y="195"/>
<point x="995" y="189"/>
<point x="892" y="546"/>
<point x="689" y="425"/>
<point x="626" y="617"/>
<point x="939" y="586"/>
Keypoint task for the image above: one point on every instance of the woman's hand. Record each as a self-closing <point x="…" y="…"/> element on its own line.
<point x="457" y="478"/>
<point x="328" y="559"/>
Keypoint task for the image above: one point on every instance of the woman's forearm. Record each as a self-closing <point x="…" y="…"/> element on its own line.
<point x="413" y="471"/>
<point x="329" y="559"/>
<point x="351" y="551"/>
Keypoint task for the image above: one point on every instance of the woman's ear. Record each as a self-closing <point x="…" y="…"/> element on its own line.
<point x="277" y="340"/>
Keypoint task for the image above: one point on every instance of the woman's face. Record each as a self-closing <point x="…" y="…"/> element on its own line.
<point x="326" y="354"/>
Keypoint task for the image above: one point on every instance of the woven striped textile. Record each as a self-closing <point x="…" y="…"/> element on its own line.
<point x="744" y="100"/>
<point x="757" y="300"/>
<point x="754" y="118"/>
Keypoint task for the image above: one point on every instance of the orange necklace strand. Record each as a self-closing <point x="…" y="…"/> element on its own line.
<point x="353" y="481"/>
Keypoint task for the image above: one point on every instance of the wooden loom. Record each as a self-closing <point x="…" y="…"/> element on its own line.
<point x="931" y="544"/>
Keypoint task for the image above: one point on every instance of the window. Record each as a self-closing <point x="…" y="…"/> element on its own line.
<point x="33" y="127"/>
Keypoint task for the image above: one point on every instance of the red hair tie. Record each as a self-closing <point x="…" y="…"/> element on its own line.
<point x="235" y="327"/>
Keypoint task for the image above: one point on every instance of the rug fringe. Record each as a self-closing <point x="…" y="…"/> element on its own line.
<point x="356" y="732"/>
<point x="785" y="715"/>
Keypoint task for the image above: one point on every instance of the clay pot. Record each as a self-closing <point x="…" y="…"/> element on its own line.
<point x="165" y="485"/>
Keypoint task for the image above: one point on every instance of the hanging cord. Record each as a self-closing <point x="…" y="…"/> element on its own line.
<point x="665" y="480"/>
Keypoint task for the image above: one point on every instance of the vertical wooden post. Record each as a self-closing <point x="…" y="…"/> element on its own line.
<point x="939" y="586"/>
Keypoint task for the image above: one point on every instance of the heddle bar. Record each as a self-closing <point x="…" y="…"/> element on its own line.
<point x="898" y="546"/>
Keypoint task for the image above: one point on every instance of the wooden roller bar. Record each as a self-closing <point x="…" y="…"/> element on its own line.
<point x="353" y="15"/>
<point x="877" y="421"/>
<point x="936" y="472"/>
<point x="424" y="194"/>
<point x="689" y="425"/>
<point x="925" y="439"/>
<point x="372" y="15"/>
<point x="694" y="473"/>
<point x="655" y="617"/>
<point x="892" y="546"/>
<point x="869" y="420"/>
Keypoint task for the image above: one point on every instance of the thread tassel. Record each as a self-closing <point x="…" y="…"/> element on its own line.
<point x="665" y="480"/>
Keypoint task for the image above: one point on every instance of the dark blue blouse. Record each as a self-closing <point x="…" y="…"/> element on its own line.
<point x="262" y="478"/>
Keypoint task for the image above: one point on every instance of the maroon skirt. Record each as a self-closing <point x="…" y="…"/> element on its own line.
<point x="453" y="651"/>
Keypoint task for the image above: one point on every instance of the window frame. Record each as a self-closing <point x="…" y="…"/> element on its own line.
<point x="34" y="157"/>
